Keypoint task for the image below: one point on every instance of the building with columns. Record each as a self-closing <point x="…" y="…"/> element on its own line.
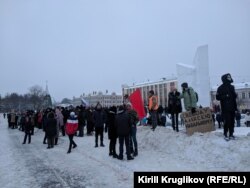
<point x="160" y="87"/>
<point x="106" y="99"/>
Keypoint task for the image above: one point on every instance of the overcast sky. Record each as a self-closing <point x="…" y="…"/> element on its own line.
<point x="83" y="46"/>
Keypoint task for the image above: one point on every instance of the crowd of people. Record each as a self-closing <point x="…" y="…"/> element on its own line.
<point x="120" y="122"/>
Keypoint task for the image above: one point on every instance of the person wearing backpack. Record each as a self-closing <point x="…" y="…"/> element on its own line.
<point x="190" y="97"/>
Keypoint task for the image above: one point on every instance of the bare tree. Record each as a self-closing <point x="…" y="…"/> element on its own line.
<point x="36" y="94"/>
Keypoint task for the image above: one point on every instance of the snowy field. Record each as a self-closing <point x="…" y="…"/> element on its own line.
<point x="32" y="165"/>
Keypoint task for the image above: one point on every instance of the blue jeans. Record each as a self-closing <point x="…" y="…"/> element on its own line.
<point x="238" y="123"/>
<point x="133" y="140"/>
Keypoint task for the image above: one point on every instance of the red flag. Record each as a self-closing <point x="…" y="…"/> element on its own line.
<point x="137" y="103"/>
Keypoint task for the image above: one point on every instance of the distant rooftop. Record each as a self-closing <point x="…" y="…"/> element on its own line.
<point x="149" y="82"/>
<point x="241" y="85"/>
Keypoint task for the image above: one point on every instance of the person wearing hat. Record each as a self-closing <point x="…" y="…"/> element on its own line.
<point x="227" y="96"/>
<point x="111" y="129"/>
<point x="51" y="129"/>
<point x="71" y="128"/>
<point x="123" y="126"/>
<point x="27" y="127"/>
<point x="153" y="107"/>
<point x="189" y="97"/>
<point x="99" y="118"/>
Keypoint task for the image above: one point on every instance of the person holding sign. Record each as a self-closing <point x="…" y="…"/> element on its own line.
<point x="227" y="96"/>
<point x="190" y="97"/>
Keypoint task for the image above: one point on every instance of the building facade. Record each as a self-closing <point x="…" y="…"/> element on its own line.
<point x="161" y="89"/>
<point x="243" y="92"/>
<point x="106" y="100"/>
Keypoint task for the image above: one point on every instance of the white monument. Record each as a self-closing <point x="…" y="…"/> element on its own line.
<point x="197" y="76"/>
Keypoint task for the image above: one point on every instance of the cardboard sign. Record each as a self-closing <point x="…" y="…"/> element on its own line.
<point x="200" y="121"/>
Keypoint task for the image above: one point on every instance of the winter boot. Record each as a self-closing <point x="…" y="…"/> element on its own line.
<point x="102" y="145"/>
<point x="120" y="157"/>
<point x="131" y="150"/>
<point x="136" y="152"/>
<point x="115" y="155"/>
<point x="130" y="157"/>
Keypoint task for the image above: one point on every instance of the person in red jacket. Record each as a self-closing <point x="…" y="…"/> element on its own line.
<point x="71" y="128"/>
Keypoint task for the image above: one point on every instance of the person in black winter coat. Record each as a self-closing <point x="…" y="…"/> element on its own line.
<point x="227" y="96"/>
<point x="111" y="129"/>
<point x="44" y="122"/>
<point x="81" y="121"/>
<point x="99" y="118"/>
<point x="90" y="121"/>
<point x="65" y="113"/>
<point x="27" y="127"/>
<point x="51" y="129"/>
<point x="174" y="107"/>
<point x="123" y="126"/>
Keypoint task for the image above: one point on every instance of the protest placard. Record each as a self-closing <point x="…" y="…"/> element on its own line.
<point x="200" y="121"/>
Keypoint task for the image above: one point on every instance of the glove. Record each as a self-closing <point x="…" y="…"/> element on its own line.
<point x="193" y="110"/>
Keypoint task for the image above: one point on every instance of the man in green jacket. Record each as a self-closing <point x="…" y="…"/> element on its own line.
<point x="190" y="97"/>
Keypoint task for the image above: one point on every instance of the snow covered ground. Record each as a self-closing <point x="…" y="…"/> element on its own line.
<point x="32" y="165"/>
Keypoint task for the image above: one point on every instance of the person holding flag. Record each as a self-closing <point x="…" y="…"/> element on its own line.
<point x="136" y="100"/>
<point x="135" y="109"/>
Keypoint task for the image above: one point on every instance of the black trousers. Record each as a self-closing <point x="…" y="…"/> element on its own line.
<point x="174" y="117"/>
<point x="45" y="137"/>
<point x="27" y="134"/>
<point x="71" y="142"/>
<point x="63" y="130"/>
<point x="123" y="139"/>
<point x="81" y="130"/>
<point x="99" y="131"/>
<point x="90" y="127"/>
<point x="228" y="118"/>
<point x="112" y="145"/>
<point x="153" y="114"/>
<point x="51" y="141"/>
